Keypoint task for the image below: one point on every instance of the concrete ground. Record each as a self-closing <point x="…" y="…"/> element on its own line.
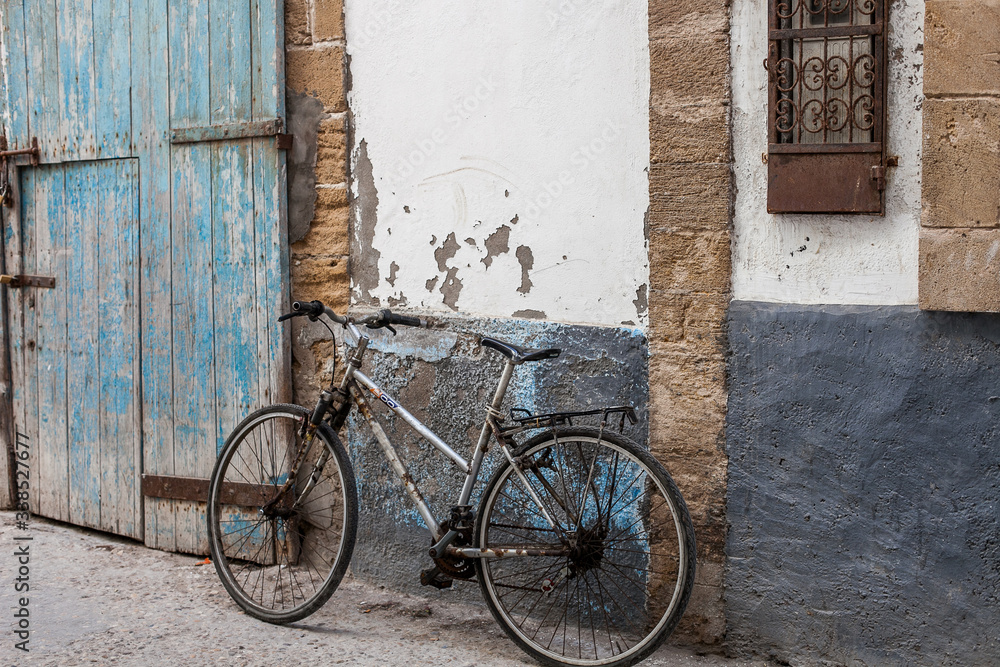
<point x="96" y="599"/>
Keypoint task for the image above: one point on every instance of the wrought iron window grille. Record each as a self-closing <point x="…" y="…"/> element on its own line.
<point x="826" y="69"/>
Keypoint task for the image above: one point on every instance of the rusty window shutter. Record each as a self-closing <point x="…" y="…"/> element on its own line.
<point x="826" y="69"/>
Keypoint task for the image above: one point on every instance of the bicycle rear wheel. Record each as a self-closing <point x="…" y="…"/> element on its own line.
<point x="281" y="549"/>
<point x="625" y="552"/>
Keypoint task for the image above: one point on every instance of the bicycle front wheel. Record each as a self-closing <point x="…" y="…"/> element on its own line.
<point x="618" y="542"/>
<point x="282" y="548"/>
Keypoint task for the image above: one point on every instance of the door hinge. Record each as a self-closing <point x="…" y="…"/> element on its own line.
<point x="28" y="281"/>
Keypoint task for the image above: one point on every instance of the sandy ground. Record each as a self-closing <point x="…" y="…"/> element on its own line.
<point x="96" y="599"/>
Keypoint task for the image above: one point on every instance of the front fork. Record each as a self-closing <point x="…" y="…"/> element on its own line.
<point x="336" y="402"/>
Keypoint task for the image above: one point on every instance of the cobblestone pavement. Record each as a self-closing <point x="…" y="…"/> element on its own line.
<point x="96" y="599"/>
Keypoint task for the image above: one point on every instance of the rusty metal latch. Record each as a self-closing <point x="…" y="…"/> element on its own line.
<point x="28" y="281"/>
<point x="878" y="175"/>
<point x="5" y="190"/>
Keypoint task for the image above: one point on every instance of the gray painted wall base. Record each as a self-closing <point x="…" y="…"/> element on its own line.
<point x="864" y="485"/>
<point x="445" y="378"/>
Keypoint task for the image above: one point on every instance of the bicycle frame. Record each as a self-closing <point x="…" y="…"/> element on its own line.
<point x="355" y="382"/>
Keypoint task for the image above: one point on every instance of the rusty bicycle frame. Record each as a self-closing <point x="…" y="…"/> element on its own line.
<point x="354" y="382"/>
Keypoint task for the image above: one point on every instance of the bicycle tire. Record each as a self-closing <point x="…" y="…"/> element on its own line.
<point x="279" y="562"/>
<point x="628" y="576"/>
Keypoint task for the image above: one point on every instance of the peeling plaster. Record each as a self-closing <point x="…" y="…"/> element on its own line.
<point x="503" y="146"/>
<point x="526" y="260"/>
<point x="392" y="273"/>
<point x="365" y="258"/>
<point x="642" y="300"/>
<point x="497" y="243"/>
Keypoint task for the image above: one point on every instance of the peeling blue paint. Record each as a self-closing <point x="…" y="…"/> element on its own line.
<point x="445" y="378"/>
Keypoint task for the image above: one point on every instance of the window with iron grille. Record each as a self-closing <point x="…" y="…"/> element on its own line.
<point x="826" y="106"/>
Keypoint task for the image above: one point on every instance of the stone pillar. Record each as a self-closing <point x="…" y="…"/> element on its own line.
<point x="960" y="235"/>
<point x="315" y="89"/>
<point x="689" y="219"/>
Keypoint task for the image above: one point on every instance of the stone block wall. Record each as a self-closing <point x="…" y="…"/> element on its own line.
<point x="960" y="238"/>
<point x="689" y="247"/>
<point x="318" y="199"/>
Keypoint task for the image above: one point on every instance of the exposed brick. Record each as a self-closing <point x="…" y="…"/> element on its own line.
<point x="331" y="152"/>
<point x="696" y="261"/>
<point x="704" y="16"/>
<point x="961" y="44"/>
<point x="323" y="278"/>
<point x="961" y="163"/>
<point x="689" y="90"/>
<point x="328" y="232"/>
<point x="320" y="72"/>
<point x="689" y="197"/>
<point x="960" y="269"/>
<point x="297" y="22"/>
<point x="328" y="19"/>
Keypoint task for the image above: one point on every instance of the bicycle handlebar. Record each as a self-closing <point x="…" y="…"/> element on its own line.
<point x="383" y="318"/>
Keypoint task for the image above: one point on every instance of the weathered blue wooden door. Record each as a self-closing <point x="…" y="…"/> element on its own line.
<point x="158" y="206"/>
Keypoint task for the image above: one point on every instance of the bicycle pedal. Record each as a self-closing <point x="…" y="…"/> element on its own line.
<point x="434" y="577"/>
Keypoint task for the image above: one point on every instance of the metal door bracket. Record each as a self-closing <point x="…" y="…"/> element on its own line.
<point x="5" y="190"/>
<point x="33" y="151"/>
<point x="259" y="129"/>
<point x="27" y="281"/>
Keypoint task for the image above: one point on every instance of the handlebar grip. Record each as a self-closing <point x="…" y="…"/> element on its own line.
<point x="407" y="321"/>
<point x="389" y="317"/>
<point x="311" y="308"/>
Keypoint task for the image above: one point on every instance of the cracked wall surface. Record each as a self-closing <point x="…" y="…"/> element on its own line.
<point x="688" y="228"/>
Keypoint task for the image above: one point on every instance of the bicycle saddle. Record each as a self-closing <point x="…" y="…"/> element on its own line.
<point x="519" y="355"/>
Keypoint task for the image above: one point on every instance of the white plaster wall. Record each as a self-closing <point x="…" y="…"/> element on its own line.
<point x="530" y="115"/>
<point x="835" y="259"/>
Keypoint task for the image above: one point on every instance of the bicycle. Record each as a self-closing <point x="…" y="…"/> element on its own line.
<point x="582" y="545"/>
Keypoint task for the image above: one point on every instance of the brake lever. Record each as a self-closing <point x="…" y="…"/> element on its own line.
<point x="379" y="325"/>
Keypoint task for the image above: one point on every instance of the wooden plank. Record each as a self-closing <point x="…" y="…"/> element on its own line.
<point x="270" y="210"/>
<point x="11" y="355"/>
<point x="237" y="367"/>
<point x="21" y="256"/>
<point x="230" y="55"/>
<point x="76" y="79"/>
<point x="42" y="58"/>
<point x="268" y="74"/>
<point x="150" y="123"/>
<point x="14" y="98"/>
<point x="52" y="483"/>
<point x="112" y="78"/>
<point x="195" y="422"/>
<point x="117" y="325"/>
<point x="84" y="183"/>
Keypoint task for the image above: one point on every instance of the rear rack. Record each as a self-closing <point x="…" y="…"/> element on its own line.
<point x="529" y="420"/>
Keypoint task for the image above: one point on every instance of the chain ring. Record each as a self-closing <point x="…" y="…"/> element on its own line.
<point x="456" y="567"/>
